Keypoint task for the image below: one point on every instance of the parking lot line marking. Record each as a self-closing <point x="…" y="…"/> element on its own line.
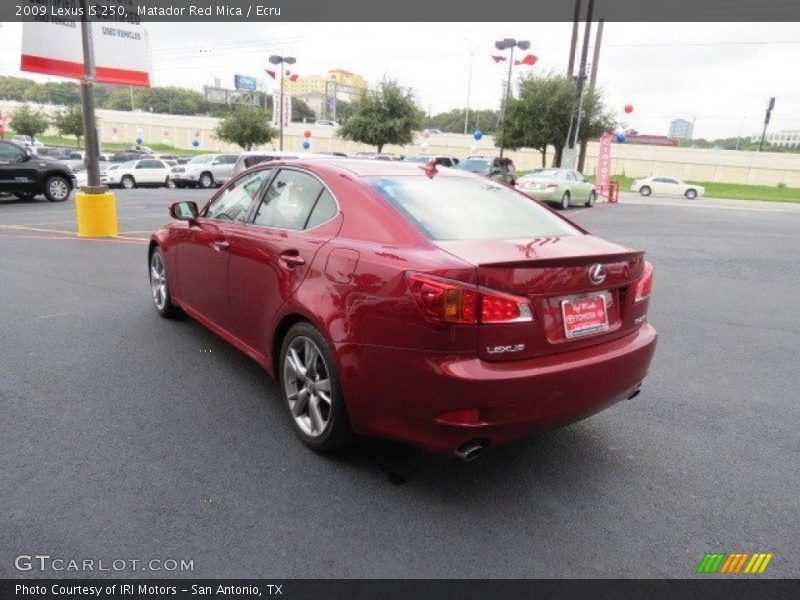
<point x="73" y="238"/>
<point x="28" y="228"/>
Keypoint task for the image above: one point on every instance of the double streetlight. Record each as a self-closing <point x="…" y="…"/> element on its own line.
<point x="508" y="44"/>
<point x="281" y="60"/>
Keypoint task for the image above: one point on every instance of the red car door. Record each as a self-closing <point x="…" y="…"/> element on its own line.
<point x="202" y="250"/>
<point x="270" y="257"/>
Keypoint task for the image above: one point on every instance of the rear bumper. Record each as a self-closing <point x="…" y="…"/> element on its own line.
<point x="400" y="393"/>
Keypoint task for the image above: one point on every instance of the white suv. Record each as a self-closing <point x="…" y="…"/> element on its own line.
<point x="148" y="171"/>
<point x="205" y="170"/>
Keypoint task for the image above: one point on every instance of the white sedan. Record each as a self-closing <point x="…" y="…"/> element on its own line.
<point x="147" y="171"/>
<point x="671" y="186"/>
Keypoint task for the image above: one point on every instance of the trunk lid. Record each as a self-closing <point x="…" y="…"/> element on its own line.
<point x="550" y="272"/>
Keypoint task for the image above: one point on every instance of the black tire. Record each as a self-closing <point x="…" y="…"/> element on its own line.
<point x="691" y="193"/>
<point x="57" y="188"/>
<point x="645" y="190"/>
<point x="592" y="199"/>
<point x="336" y="433"/>
<point x="169" y="184"/>
<point x="564" y="201"/>
<point x="206" y="180"/>
<point x="127" y="182"/>
<point x="166" y="308"/>
<point x="26" y="196"/>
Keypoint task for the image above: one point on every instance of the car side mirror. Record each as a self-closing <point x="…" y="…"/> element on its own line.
<point x="184" y="211"/>
<point x="496" y="171"/>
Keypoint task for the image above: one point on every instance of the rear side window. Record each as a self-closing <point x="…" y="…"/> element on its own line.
<point x="289" y="200"/>
<point x="324" y="210"/>
<point x="455" y="208"/>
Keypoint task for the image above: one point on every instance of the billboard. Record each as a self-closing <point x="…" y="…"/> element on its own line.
<point x="121" y="51"/>
<point x="244" y="82"/>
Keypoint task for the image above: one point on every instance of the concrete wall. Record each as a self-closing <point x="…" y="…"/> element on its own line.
<point x="697" y="164"/>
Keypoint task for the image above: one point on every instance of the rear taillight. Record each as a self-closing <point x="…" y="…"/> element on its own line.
<point x="645" y="284"/>
<point x="447" y="301"/>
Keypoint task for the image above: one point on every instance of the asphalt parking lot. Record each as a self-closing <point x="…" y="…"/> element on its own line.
<point x="124" y="435"/>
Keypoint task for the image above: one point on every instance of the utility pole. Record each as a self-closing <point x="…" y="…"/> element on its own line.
<point x="598" y="40"/>
<point x="281" y="60"/>
<point x="505" y="44"/>
<point x="87" y="98"/>
<point x="767" y="116"/>
<point x="575" y="122"/>
<point x="574" y="43"/>
<point x="469" y="88"/>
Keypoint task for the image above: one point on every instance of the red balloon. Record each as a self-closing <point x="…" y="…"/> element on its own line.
<point x="307" y="133"/>
<point x="629" y="108"/>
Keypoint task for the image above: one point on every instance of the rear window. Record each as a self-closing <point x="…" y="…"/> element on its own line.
<point x="476" y="166"/>
<point x="455" y="208"/>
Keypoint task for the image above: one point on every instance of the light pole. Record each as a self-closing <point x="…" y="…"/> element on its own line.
<point x="469" y="87"/>
<point x="508" y="44"/>
<point x="281" y="60"/>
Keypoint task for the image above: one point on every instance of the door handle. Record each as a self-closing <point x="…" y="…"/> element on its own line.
<point x="292" y="259"/>
<point x="221" y="245"/>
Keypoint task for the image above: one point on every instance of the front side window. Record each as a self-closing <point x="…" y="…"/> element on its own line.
<point x="289" y="200"/>
<point x="455" y="208"/>
<point x="234" y="203"/>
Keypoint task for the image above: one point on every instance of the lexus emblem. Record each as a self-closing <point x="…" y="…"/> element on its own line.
<point x="597" y="274"/>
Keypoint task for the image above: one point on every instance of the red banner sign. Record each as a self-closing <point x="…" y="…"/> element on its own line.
<point x="603" y="174"/>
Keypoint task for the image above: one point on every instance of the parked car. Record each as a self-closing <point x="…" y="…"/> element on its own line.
<point x="122" y="157"/>
<point x="667" y="186"/>
<point x="205" y="170"/>
<point x="327" y="123"/>
<point x="441" y="160"/>
<point x="564" y="187"/>
<point x="493" y="168"/>
<point x="27" y="141"/>
<point x="140" y="149"/>
<point x="249" y="159"/>
<point x="387" y="302"/>
<point x="137" y="173"/>
<point x="26" y="175"/>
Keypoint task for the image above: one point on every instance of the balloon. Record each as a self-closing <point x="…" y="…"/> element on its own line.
<point x="139" y="130"/>
<point x="114" y="129"/>
<point x="307" y="133"/>
<point x="166" y="133"/>
<point x="478" y="134"/>
<point x="424" y="146"/>
<point x="629" y="108"/>
<point x="306" y="145"/>
<point x="195" y="143"/>
<point x="425" y="134"/>
<point x="473" y="148"/>
<point x="621" y="138"/>
<point x="197" y="133"/>
<point x="139" y="141"/>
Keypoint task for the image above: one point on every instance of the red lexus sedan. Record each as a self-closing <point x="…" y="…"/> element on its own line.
<point x="438" y="308"/>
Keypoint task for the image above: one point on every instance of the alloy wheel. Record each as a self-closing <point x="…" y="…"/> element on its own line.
<point x="58" y="188"/>
<point x="307" y="384"/>
<point x="158" y="280"/>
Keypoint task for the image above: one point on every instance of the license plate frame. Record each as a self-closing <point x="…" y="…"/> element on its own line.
<point x="591" y="326"/>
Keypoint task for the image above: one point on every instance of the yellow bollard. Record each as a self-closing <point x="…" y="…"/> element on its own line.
<point x="97" y="214"/>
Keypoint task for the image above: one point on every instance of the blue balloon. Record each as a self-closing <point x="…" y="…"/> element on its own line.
<point x="478" y="134"/>
<point x="195" y="143"/>
<point x="306" y="145"/>
<point x="620" y="138"/>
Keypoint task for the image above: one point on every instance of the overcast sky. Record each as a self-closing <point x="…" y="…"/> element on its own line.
<point x="721" y="74"/>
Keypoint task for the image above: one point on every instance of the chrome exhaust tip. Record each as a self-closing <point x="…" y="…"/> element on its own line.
<point x="470" y="450"/>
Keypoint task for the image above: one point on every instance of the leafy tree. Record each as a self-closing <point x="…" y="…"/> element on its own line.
<point x="70" y="122"/>
<point x="540" y="115"/>
<point x="384" y="115"/>
<point x="14" y="88"/>
<point x="453" y="121"/>
<point x="26" y="121"/>
<point x="246" y="126"/>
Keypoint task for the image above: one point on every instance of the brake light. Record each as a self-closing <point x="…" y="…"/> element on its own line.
<point x="645" y="285"/>
<point x="447" y="301"/>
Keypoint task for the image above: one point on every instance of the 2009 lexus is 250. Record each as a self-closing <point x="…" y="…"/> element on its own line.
<point x="388" y="299"/>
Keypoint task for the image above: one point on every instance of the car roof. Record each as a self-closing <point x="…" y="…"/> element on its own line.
<point x="367" y="168"/>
